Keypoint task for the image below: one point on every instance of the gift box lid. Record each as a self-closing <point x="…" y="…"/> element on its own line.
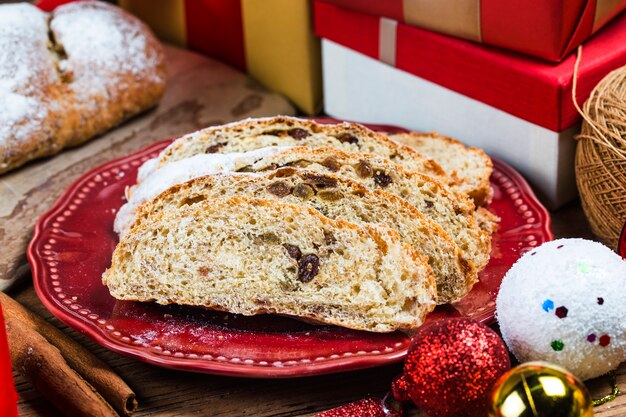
<point x="548" y="29"/>
<point x="525" y="87"/>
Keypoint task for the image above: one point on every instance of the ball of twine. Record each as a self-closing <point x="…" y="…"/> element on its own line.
<point x="601" y="156"/>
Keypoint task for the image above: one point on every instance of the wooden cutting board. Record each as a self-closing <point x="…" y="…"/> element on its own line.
<point x="200" y="92"/>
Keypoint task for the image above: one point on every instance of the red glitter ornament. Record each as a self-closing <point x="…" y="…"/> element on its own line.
<point x="449" y="372"/>
<point x="452" y="366"/>
<point x="400" y="388"/>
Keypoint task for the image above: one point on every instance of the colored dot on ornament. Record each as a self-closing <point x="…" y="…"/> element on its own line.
<point x="559" y="247"/>
<point x="605" y="340"/>
<point x="600" y="300"/>
<point x="561" y="312"/>
<point x="584" y="268"/>
<point x="548" y="305"/>
<point x="591" y="338"/>
<point x="557" y="345"/>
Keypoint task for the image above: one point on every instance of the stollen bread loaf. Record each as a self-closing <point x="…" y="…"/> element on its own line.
<point x="70" y="75"/>
<point x="452" y="211"/>
<point x="469" y="167"/>
<point x="251" y="256"/>
<point x="335" y="197"/>
<point x="253" y="134"/>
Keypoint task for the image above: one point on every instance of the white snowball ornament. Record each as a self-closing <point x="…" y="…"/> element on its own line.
<point x="565" y="303"/>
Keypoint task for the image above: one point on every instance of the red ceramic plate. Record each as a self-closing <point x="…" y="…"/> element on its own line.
<point x="72" y="247"/>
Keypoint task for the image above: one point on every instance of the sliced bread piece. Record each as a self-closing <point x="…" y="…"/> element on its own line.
<point x="469" y="167"/>
<point x="252" y="134"/>
<point x="335" y="197"/>
<point x="452" y="211"/>
<point x="250" y="256"/>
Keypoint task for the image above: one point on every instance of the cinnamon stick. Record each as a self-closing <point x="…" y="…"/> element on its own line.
<point x="44" y="366"/>
<point x="97" y="373"/>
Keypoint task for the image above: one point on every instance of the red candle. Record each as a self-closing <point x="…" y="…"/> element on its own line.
<point x="8" y="396"/>
<point x="621" y="245"/>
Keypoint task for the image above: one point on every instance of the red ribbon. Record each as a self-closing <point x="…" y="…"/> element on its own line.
<point x="8" y="396"/>
<point x="215" y="27"/>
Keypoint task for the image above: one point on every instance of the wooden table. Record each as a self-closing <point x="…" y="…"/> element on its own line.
<point x="201" y="92"/>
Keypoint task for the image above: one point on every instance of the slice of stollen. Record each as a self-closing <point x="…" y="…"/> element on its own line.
<point x="469" y="167"/>
<point x="335" y="197"/>
<point x="251" y="256"/>
<point x="252" y="134"/>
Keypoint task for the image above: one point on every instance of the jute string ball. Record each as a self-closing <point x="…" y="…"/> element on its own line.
<point x="601" y="156"/>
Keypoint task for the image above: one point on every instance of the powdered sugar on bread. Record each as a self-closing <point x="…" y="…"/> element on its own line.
<point x="152" y="182"/>
<point x="23" y="27"/>
<point x="108" y="46"/>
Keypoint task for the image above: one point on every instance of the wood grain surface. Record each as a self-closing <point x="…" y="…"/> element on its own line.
<point x="201" y="92"/>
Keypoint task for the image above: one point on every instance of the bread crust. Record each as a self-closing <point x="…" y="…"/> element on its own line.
<point x="76" y="73"/>
<point x="359" y="139"/>
<point x="475" y="183"/>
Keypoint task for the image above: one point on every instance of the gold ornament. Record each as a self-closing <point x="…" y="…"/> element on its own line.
<point x="540" y="389"/>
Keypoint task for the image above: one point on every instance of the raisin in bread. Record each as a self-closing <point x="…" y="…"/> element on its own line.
<point x="250" y="256"/>
<point x="469" y="167"/>
<point x="335" y="197"/>
<point x="70" y="75"/>
<point x="453" y="212"/>
<point x="253" y="134"/>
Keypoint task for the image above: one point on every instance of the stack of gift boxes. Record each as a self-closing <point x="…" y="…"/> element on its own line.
<point x="494" y="74"/>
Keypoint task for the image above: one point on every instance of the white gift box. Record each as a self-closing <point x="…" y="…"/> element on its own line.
<point x="362" y="89"/>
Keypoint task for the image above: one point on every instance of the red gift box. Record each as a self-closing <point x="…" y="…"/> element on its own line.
<point x="525" y="87"/>
<point x="548" y="29"/>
